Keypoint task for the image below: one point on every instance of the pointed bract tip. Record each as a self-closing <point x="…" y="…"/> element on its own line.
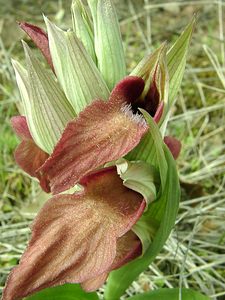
<point x="45" y="18"/>
<point x="14" y="62"/>
<point x="25" y="46"/>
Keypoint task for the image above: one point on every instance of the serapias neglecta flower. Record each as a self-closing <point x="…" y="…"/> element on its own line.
<point x="82" y="125"/>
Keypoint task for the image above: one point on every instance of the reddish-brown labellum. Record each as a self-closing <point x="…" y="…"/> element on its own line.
<point x="80" y="238"/>
<point x="103" y="132"/>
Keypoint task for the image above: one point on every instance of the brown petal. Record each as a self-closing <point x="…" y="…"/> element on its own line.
<point x="174" y="145"/>
<point x="103" y="132"/>
<point x="20" y="127"/>
<point x="28" y="155"/>
<point x="40" y="38"/>
<point x="74" y="236"/>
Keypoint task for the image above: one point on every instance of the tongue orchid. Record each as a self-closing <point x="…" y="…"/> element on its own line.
<point x="88" y="126"/>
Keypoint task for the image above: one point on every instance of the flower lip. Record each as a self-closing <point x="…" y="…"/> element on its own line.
<point x="151" y="101"/>
<point x="88" y="228"/>
<point x="103" y="132"/>
<point x="130" y="89"/>
<point x="127" y="90"/>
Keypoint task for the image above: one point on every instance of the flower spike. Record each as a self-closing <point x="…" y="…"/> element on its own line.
<point x="90" y="128"/>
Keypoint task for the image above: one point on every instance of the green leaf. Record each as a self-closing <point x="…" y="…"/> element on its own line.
<point x="63" y="292"/>
<point x="75" y="69"/>
<point x="160" y="217"/>
<point x="170" y="294"/>
<point x="140" y="177"/>
<point x="82" y="26"/>
<point x="108" y="41"/>
<point x="176" y="62"/>
<point x="46" y="107"/>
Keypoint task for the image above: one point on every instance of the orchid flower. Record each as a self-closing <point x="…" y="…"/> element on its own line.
<point x="87" y="124"/>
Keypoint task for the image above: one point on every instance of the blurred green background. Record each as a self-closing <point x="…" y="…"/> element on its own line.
<point x="194" y="255"/>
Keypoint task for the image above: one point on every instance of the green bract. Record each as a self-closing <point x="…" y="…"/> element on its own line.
<point x="153" y="70"/>
<point x="75" y="69"/>
<point x="83" y="27"/>
<point x="46" y="106"/>
<point x="22" y="83"/>
<point x="108" y="42"/>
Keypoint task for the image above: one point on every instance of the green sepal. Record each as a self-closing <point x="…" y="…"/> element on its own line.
<point x="171" y="294"/>
<point x="83" y="27"/>
<point x="46" y="107"/>
<point x="75" y="69"/>
<point x="23" y="86"/>
<point x="108" y="41"/>
<point x="63" y="292"/>
<point x="153" y="70"/>
<point x="140" y="177"/>
<point x="159" y="218"/>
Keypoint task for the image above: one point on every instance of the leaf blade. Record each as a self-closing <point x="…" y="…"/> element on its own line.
<point x="64" y="292"/>
<point x="176" y="62"/>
